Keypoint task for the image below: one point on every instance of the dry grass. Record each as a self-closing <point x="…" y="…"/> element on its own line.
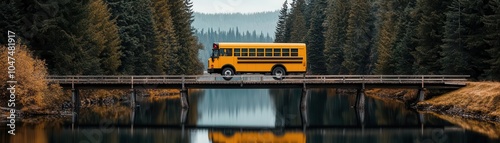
<point x="162" y="94"/>
<point x="491" y="129"/>
<point x="404" y="95"/>
<point x="476" y="99"/>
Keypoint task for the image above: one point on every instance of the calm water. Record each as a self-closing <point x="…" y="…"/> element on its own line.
<point x="250" y="115"/>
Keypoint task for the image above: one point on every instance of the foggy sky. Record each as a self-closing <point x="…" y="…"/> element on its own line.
<point x="236" y="6"/>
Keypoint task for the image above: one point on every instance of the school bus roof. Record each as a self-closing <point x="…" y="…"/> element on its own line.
<point x="257" y="45"/>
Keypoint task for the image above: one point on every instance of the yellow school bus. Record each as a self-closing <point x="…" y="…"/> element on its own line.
<point x="278" y="59"/>
<point x="256" y="137"/>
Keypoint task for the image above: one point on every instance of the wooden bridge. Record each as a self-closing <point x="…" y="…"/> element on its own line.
<point x="261" y="81"/>
<point x="184" y="82"/>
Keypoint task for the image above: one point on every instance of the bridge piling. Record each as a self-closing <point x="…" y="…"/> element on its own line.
<point x="303" y="107"/>
<point x="360" y="98"/>
<point x="184" y="99"/>
<point x="184" y="113"/>
<point x="421" y="94"/>
<point x="132" y="98"/>
<point x="75" y="98"/>
<point x="74" y="118"/>
<point x="360" y="115"/>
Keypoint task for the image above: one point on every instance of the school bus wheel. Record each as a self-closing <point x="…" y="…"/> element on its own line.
<point x="278" y="73"/>
<point x="227" y="73"/>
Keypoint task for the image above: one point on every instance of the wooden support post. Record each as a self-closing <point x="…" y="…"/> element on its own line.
<point x="184" y="99"/>
<point x="132" y="98"/>
<point x="421" y="119"/>
<point x="360" y="98"/>
<point x="421" y="95"/>
<point x="184" y="113"/>
<point x="303" y="107"/>
<point x="74" y="118"/>
<point x="75" y="98"/>
<point x="132" y="120"/>
<point x="360" y="114"/>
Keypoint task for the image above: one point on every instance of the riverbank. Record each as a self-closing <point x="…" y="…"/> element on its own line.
<point x="478" y="100"/>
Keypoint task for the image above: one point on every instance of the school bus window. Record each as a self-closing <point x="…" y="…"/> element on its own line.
<point x="269" y="52"/>
<point x="237" y="52"/>
<point x="277" y="52"/>
<point x="295" y="52"/>
<point x="260" y="52"/>
<point x="252" y="52"/>
<point x="229" y="52"/>
<point x="222" y="52"/>
<point x="286" y="52"/>
<point x="244" y="52"/>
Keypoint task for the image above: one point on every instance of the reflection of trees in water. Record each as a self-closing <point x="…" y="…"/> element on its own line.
<point x="490" y="129"/>
<point x="162" y="112"/>
<point x="328" y="107"/>
<point x="116" y="113"/>
<point x="42" y="122"/>
<point x="194" y="97"/>
<point x="166" y="111"/>
<point x="234" y="106"/>
<point x="391" y="112"/>
<point x="35" y="129"/>
<point x="151" y="136"/>
<point x="287" y="103"/>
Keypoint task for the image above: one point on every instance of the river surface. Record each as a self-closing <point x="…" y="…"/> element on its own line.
<point x="251" y="115"/>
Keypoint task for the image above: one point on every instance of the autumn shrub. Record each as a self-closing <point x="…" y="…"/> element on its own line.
<point x="33" y="92"/>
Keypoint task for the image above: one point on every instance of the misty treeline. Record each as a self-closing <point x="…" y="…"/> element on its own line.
<point x="210" y="36"/>
<point x="106" y="37"/>
<point x="261" y="21"/>
<point x="402" y="37"/>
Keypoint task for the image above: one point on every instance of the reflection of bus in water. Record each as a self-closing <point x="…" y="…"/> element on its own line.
<point x="256" y="137"/>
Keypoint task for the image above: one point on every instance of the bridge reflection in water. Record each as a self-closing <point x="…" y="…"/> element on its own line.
<point x="217" y="114"/>
<point x="359" y="82"/>
<point x="211" y="105"/>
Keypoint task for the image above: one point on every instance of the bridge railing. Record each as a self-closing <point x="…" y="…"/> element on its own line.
<point x="390" y="78"/>
<point x="165" y="79"/>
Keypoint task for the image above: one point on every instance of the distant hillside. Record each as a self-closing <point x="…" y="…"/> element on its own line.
<point x="264" y="22"/>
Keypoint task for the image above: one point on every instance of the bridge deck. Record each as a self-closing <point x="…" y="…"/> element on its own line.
<point x="262" y="81"/>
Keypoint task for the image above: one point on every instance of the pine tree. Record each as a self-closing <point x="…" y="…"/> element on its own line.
<point x="404" y="44"/>
<point x="188" y="52"/>
<point x="316" y="40"/>
<point x="281" y="26"/>
<point x="428" y="35"/>
<point x="134" y="20"/>
<point x="474" y="35"/>
<point x="337" y="16"/>
<point x="356" y="47"/>
<point x="103" y="35"/>
<point x="61" y="39"/>
<point x="492" y="23"/>
<point x="166" y="60"/>
<point x="10" y="19"/>
<point x="454" y="59"/>
<point x="386" y="37"/>
<point x="298" y="24"/>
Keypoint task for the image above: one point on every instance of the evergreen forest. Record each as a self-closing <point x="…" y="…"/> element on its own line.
<point x="106" y="37"/>
<point x="396" y="37"/>
<point x="150" y="37"/>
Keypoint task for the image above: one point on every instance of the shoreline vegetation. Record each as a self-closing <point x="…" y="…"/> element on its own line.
<point x="36" y="97"/>
<point x="477" y="100"/>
